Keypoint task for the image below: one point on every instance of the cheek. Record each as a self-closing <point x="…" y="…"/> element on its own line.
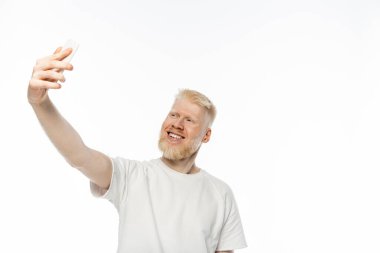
<point x="195" y="133"/>
<point x="165" y="125"/>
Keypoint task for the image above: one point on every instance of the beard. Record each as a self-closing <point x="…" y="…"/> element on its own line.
<point x="177" y="152"/>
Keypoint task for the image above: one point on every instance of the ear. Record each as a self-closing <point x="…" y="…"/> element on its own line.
<point x="207" y="136"/>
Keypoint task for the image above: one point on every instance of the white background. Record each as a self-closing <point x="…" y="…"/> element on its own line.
<point x="297" y="138"/>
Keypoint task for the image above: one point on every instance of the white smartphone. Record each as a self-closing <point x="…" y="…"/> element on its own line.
<point x="70" y="44"/>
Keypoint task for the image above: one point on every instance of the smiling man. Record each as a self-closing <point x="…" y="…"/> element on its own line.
<point x="165" y="205"/>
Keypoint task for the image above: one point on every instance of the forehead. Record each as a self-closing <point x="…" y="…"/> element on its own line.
<point x="186" y="107"/>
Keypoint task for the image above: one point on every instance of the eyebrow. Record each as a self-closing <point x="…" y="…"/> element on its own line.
<point x="194" y="118"/>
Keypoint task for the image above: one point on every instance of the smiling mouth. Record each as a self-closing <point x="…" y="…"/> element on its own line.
<point x="175" y="136"/>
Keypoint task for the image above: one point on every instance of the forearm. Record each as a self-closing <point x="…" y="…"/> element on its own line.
<point x="64" y="137"/>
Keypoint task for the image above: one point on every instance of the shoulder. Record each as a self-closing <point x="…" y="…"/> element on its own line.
<point x="219" y="185"/>
<point x="132" y="166"/>
<point x="127" y="167"/>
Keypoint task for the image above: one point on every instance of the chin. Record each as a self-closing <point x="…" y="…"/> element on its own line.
<point x="176" y="153"/>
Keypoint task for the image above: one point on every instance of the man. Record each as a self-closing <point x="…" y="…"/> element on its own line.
<point x="165" y="205"/>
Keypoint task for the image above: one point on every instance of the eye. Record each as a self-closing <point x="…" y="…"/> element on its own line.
<point x="172" y="115"/>
<point x="189" y="120"/>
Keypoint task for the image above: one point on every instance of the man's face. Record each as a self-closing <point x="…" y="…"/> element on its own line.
<point x="184" y="130"/>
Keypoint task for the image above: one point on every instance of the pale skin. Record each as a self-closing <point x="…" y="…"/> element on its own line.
<point x="190" y="122"/>
<point x="185" y="119"/>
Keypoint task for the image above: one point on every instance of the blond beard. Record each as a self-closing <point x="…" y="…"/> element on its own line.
<point x="177" y="153"/>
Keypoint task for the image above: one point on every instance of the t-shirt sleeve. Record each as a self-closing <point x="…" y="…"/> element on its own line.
<point x="232" y="234"/>
<point x="117" y="190"/>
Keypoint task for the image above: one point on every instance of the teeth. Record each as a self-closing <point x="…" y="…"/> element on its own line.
<point x="175" y="136"/>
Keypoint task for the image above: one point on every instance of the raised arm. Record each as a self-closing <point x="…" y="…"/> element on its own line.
<point x="46" y="74"/>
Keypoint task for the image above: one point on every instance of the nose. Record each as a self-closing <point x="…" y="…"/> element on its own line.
<point x="178" y="124"/>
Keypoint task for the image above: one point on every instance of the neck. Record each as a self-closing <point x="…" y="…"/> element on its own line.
<point x="185" y="165"/>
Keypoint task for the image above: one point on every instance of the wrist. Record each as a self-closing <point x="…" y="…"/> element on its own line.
<point x="41" y="103"/>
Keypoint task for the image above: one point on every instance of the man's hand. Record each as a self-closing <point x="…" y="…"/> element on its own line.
<point x="46" y="74"/>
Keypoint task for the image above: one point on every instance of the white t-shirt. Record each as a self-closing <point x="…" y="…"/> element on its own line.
<point x="165" y="211"/>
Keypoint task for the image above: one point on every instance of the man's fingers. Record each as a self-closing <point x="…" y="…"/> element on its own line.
<point x="56" y="55"/>
<point x="59" y="65"/>
<point x="42" y="84"/>
<point x="49" y="75"/>
<point x="60" y="55"/>
<point x="57" y="50"/>
<point x="55" y="61"/>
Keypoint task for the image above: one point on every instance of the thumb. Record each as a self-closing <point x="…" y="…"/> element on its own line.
<point x="58" y="50"/>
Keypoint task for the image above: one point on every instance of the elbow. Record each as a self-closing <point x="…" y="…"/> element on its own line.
<point x="74" y="163"/>
<point x="79" y="159"/>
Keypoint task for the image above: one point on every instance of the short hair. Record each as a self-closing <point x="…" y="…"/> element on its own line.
<point x="199" y="99"/>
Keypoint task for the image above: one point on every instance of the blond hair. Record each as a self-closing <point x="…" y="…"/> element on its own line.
<point x="199" y="99"/>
